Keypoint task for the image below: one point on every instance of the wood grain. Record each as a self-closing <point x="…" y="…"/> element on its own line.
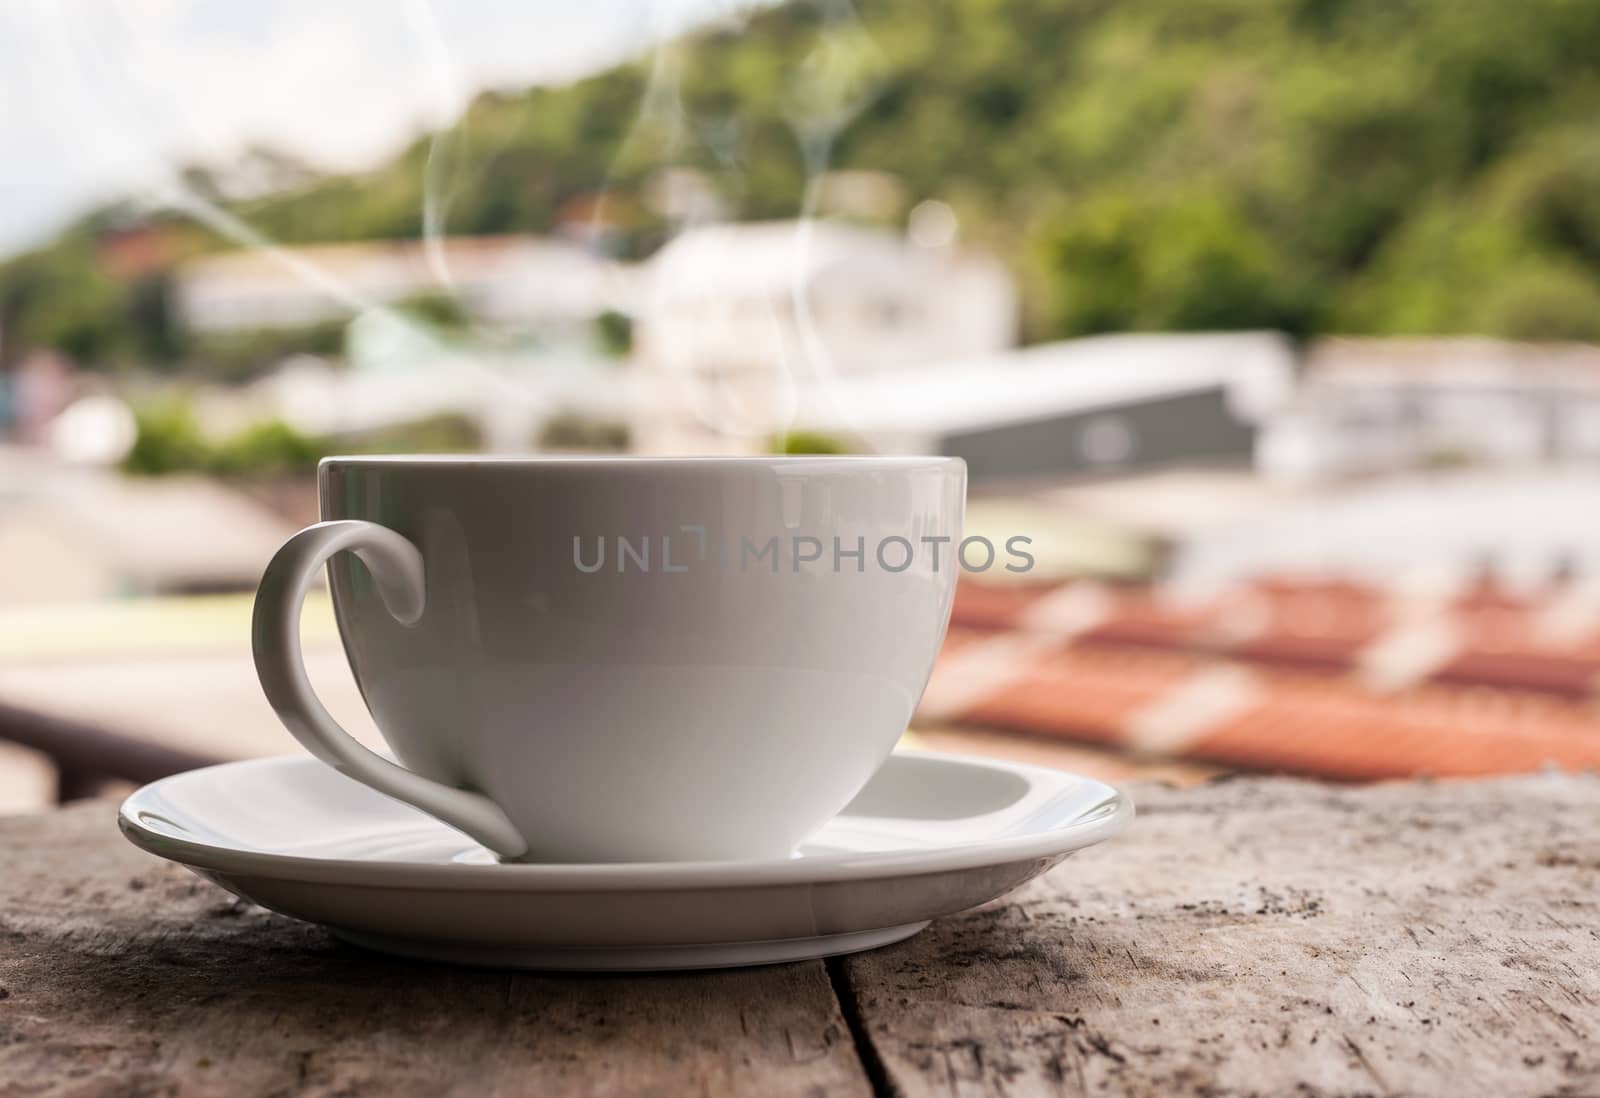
<point x="120" y="975"/>
<point x="1272" y="937"/>
<point x="1246" y="937"/>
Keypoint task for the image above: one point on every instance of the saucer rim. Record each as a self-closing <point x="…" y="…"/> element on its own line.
<point x="1053" y="842"/>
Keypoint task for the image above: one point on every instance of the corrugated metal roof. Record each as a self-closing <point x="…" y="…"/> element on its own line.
<point x="1255" y="369"/>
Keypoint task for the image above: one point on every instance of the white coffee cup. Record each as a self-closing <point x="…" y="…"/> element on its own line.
<point x="622" y="659"/>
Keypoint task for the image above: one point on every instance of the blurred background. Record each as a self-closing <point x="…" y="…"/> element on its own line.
<point x="1272" y="322"/>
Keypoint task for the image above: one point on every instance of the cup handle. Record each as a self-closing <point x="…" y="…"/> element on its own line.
<point x="396" y="566"/>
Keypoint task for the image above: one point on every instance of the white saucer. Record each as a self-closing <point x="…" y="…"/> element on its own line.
<point x="929" y="836"/>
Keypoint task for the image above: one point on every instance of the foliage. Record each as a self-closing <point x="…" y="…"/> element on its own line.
<point x="58" y="297"/>
<point x="575" y="431"/>
<point x="239" y="356"/>
<point x="440" y="312"/>
<point x="1186" y="263"/>
<point x="809" y="442"/>
<point x="1317" y="165"/>
<point x="168" y="440"/>
<point x="445" y="433"/>
<point x="613" y="331"/>
<point x="1545" y="302"/>
<point x="268" y="447"/>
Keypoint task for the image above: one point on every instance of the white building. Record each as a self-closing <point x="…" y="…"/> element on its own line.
<point x="1527" y="529"/>
<point x="1371" y="406"/>
<point x="514" y="281"/>
<point x="508" y="397"/>
<point x="733" y="320"/>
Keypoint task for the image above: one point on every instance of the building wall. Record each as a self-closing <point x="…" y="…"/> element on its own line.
<point x="1372" y="428"/>
<point x="732" y="320"/>
<point x="1374" y="406"/>
<point x="500" y="280"/>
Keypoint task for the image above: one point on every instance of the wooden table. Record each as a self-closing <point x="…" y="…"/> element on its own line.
<point x="1247" y="936"/>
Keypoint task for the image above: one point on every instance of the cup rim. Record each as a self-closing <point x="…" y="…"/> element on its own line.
<point x="613" y="462"/>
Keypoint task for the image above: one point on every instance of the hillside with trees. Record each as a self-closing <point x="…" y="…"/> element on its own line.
<point x="1357" y="166"/>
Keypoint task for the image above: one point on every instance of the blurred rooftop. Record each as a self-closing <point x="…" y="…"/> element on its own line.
<point x="1317" y="677"/>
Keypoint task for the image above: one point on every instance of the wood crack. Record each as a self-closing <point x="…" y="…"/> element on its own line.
<point x="872" y="1063"/>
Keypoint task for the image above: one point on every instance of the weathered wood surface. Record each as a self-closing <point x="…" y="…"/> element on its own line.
<point x="1274" y="937"/>
<point x="1246" y="937"/>
<point x="120" y="975"/>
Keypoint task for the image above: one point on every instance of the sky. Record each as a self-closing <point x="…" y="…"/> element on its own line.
<point x="101" y="99"/>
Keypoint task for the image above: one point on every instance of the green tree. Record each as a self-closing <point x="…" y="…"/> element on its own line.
<point x="1182" y="263"/>
<point x="168" y="440"/>
<point x="1320" y="165"/>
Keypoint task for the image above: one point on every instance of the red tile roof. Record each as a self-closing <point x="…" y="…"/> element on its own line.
<point x="1283" y="675"/>
<point x="1498" y="638"/>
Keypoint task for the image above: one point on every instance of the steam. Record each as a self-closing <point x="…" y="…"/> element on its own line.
<point x="114" y="90"/>
<point x="840" y="78"/>
<point x="429" y="35"/>
<point x="665" y="121"/>
<point x="840" y="75"/>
